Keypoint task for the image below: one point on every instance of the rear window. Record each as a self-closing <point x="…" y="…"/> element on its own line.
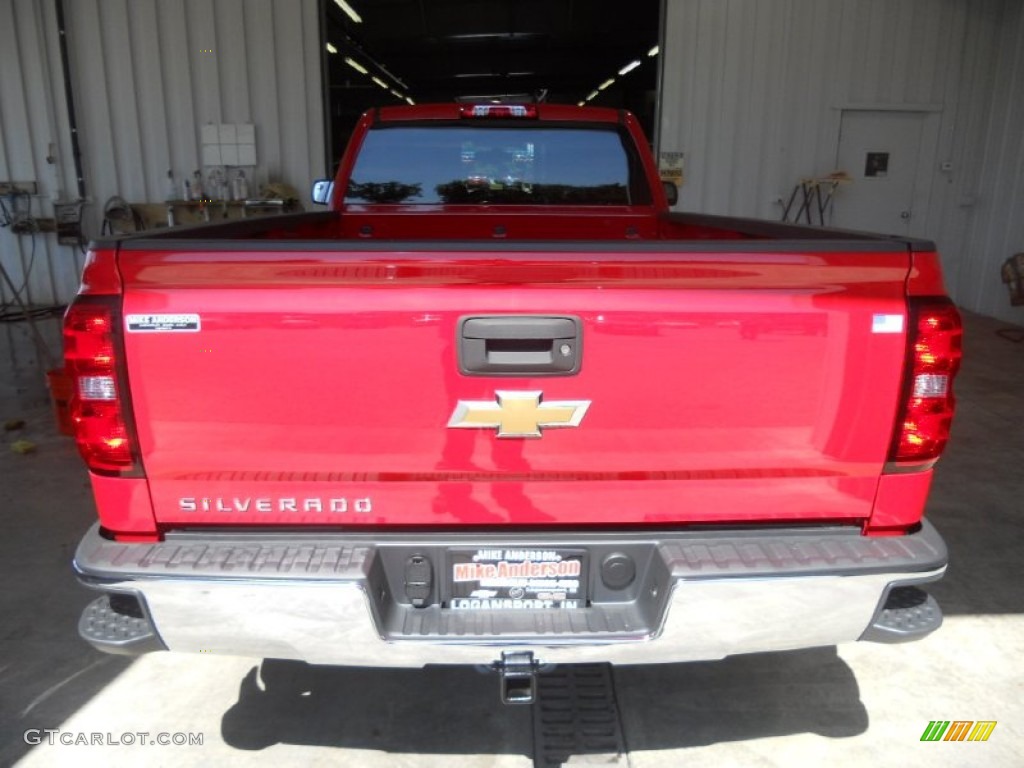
<point x="496" y="165"/>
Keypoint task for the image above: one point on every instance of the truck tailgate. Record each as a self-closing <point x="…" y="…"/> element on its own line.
<point x="317" y="387"/>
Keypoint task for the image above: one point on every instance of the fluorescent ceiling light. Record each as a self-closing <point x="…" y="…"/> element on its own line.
<point x="593" y="95"/>
<point x="653" y="52"/>
<point x="356" y="65"/>
<point x="409" y="99"/>
<point x="496" y="35"/>
<point x="396" y="94"/>
<point x="467" y="75"/>
<point x="581" y="104"/>
<point x="380" y="82"/>
<point x="349" y="11"/>
<point x="331" y="48"/>
<point x="606" y="83"/>
<point x="630" y="67"/>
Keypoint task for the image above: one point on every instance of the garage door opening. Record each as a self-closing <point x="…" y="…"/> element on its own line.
<point x="388" y="52"/>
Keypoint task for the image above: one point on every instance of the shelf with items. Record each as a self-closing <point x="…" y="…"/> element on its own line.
<point x="177" y="213"/>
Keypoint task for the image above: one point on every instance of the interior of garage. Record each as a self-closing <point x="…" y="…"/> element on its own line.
<point x="746" y="99"/>
<point x="758" y="100"/>
<point x="489" y="51"/>
<point x="745" y="103"/>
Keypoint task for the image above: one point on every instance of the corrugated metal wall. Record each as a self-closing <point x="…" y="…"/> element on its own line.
<point x="997" y="225"/>
<point x="147" y="74"/>
<point x="33" y="128"/>
<point x="753" y="93"/>
<point x="151" y="72"/>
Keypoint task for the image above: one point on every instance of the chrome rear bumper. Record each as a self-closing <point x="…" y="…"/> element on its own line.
<point x="332" y="598"/>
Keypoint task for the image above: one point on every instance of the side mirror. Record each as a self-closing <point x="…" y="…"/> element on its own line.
<point x="322" y="190"/>
<point x="671" y="192"/>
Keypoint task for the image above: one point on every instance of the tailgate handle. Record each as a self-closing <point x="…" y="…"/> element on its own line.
<point x="520" y="345"/>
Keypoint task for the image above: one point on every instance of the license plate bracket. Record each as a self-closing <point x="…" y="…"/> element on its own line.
<point x="517" y="578"/>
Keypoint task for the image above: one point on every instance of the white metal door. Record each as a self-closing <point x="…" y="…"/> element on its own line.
<point x="880" y="151"/>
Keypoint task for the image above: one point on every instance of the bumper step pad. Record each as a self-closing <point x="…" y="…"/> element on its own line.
<point x="112" y="631"/>
<point x="908" y="614"/>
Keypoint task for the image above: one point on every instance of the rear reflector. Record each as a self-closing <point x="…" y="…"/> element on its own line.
<point x="97" y="388"/>
<point x="933" y="358"/>
<point x="96" y="406"/>
<point x="498" y="110"/>
<point x="930" y="385"/>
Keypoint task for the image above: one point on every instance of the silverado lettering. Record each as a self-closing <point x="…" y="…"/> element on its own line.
<point x="235" y="504"/>
<point x="764" y="407"/>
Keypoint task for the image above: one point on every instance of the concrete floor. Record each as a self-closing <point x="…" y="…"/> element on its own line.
<point x="860" y="704"/>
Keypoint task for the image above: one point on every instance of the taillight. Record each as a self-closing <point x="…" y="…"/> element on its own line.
<point x="933" y="358"/>
<point x="97" y="404"/>
<point x="498" y="110"/>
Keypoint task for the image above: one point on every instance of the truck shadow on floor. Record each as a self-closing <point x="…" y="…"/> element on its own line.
<point x="739" y="698"/>
<point x="447" y="710"/>
<point x="456" y="710"/>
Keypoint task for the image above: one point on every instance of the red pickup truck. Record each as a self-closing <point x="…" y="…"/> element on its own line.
<point x="500" y="406"/>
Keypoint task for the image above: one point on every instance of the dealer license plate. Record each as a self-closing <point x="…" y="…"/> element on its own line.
<point x="517" y="578"/>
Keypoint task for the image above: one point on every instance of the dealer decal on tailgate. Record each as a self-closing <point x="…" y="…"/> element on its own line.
<point x="189" y="323"/>
<point x="517" y="579"/>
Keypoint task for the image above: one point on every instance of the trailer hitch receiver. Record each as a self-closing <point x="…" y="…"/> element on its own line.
<point x="517" y="673"/>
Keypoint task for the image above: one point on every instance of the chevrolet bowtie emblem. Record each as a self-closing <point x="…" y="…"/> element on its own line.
<point x="518" y="414"/>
